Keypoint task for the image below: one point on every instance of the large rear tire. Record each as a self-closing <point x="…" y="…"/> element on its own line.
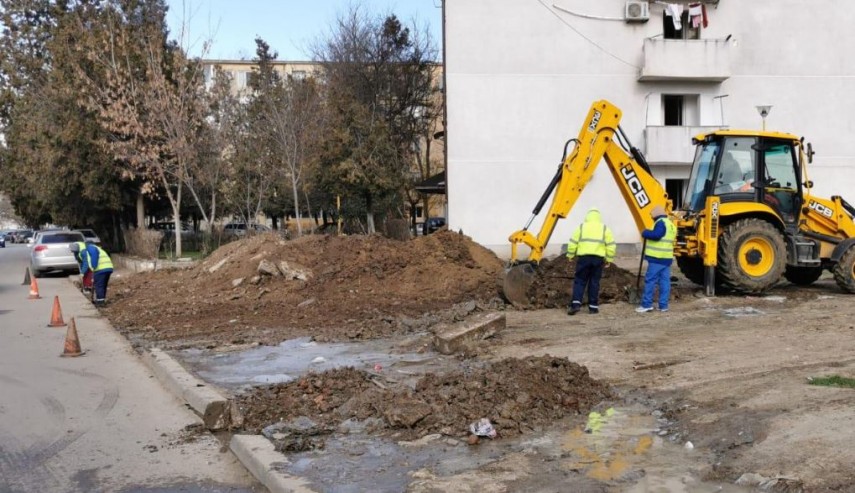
<point x="752" y="256"/>
<point x="692" y="268"/>
<point x="844" y="271"/>
<point x="802" y="276"/>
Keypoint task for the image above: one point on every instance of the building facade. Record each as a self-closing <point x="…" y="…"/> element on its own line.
<point x="520" y="77"/>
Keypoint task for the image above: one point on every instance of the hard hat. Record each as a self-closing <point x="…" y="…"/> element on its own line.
<point x="74" y="247"/>
<point x="657" y="211"/>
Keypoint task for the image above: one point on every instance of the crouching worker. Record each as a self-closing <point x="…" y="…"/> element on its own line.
<point x="96" y="260"/>
<point x="79" y="251"/>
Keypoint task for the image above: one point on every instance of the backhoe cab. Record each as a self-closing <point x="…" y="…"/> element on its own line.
<point x="749" y="217"/>
<point x="769" y="225"/>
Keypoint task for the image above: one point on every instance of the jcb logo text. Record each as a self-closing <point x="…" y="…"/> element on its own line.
<point x="635" y="187"/>
<point x="594" y="121"/>
<point x="825" y="211"/>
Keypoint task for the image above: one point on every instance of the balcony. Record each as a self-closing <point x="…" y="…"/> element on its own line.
<point x="700" y="60"/>
<point x="672" y="145"/>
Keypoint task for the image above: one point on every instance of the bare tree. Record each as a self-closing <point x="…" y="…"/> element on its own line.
<point x="377" y="76"/>
<point x="149" y="97"/>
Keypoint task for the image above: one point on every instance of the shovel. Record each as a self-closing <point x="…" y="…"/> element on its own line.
<point x="633" y="294"/>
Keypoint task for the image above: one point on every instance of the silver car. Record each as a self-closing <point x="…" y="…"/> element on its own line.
<point x="50" y="252"/>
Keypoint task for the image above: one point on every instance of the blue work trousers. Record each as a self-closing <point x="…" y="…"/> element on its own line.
<point x="102" y="278"/>
<point x="656" y="275"/>
<point x="589" y="271"/>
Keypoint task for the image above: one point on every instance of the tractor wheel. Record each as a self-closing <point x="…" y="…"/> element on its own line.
<point x="844" y="271"/>
<point x="802" y="276"/>
<point x="752" y="256"/>
<point x="692" y="268"/>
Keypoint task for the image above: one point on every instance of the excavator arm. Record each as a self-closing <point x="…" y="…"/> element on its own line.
<point x="599" y="138"/>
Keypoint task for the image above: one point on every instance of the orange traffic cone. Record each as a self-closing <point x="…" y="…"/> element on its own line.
<point x="56" y="314"/>
<point x="34" y="289"/>
<point x="72" y="343"/>
<point x="26" y="277"/>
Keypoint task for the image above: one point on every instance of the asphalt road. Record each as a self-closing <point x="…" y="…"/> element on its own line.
<point x="95" y="423"/>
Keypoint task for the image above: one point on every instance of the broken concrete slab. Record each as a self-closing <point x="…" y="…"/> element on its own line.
<point x="214" y="409"/>
<point x="258" y="455"/>
<point x="464" y="337"/>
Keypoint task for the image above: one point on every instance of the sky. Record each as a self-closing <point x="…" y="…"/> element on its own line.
<point x="288" y="26"/>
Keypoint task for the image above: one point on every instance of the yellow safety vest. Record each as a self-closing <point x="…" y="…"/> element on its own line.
<point x="664" y="247"/>
<point x="104" y="261"/>
<point x="592" y="238"/>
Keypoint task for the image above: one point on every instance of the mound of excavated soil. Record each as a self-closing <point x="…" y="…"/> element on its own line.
<point x="265" y="289"/>
<point x="553" y="283"/>
<point x="516" y="395"/>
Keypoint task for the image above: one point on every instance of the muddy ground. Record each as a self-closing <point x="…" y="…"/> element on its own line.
<point x="723" y="379"/>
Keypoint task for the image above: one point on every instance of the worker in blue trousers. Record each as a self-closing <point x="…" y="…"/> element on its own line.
<point x="95" y="260"/>
<point x="659" y="253"/>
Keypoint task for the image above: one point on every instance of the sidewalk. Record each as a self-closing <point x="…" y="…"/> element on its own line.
<point x="99" y="422"/>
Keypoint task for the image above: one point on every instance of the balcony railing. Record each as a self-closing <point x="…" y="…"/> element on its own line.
<point x="672" y="145"/>
<point x="706" y="60"/>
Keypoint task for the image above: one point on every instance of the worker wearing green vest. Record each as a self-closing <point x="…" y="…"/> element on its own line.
<point x="659" y="253"/>
<point x="594" y="246"/>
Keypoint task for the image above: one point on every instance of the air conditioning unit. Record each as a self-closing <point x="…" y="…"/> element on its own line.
<point x="637" y="11"/>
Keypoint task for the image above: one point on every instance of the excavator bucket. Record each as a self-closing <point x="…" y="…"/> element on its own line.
<point x="518" y="279"/>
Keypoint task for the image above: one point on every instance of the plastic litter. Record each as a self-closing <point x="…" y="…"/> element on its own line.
<point x="319" y="359"/>
<point x="483" y="428"/>
<point x="378" y="367"/>
<point x="689" y="446"/>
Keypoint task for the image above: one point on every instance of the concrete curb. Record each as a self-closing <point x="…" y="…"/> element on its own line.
<point x="260" y="457"/>
<point x="215" y="410"/>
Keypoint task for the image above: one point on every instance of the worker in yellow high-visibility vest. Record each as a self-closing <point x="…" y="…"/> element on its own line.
<point x="97" y="261"/>
<point x="659" y="253"/>
<point x="593" y="245"/>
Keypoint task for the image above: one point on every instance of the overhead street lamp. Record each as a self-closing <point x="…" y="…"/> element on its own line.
<point x="764" y="112"/>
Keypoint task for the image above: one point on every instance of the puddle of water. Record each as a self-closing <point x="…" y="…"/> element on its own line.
<point x="743" y="311"/>
<point x="625" y="452"/>
<point x="289" y="360"/>
<point x="351" y="464"/>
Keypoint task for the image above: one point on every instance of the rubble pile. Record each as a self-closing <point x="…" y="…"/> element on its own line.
<point x="553" y="283"/>
<point x="516" y="395"/>
<point x="266" y="289"/>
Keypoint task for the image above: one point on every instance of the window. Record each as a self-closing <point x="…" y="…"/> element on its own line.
<point x="673" y="108"/>
<point x="686" y="31"/>
<point x="674" y="189"/>
<point x="736" y="171"/>
<point x="680" y="109"/>
<point x="298" y="74"/>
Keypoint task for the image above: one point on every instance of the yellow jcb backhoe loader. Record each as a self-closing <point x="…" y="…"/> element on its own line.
<point x="748" y="217"/>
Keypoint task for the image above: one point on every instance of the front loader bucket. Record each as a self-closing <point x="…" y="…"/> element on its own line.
<point x="516" y="283"/>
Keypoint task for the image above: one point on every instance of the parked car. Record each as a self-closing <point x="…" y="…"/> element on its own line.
<point x="168" y="228"/>
<point x="50" y="252"/>
<point x="434" y="224"/>
<point x="239" y="229"/>
<point x="24" y="236"/>
<point x="3" y="240"/>
<point x="90" y="236"/>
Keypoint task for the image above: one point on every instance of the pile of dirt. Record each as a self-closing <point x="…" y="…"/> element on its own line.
<point x="553" y="283"/>
<point x="265" y="289"/>
<point x="516" y="395"/>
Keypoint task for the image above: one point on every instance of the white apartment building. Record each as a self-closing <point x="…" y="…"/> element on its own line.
<point x="521" y="75"/>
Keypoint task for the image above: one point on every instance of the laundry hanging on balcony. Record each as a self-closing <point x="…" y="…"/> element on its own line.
<point x="675" y="10"/>
<point x="698" y="15"/>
